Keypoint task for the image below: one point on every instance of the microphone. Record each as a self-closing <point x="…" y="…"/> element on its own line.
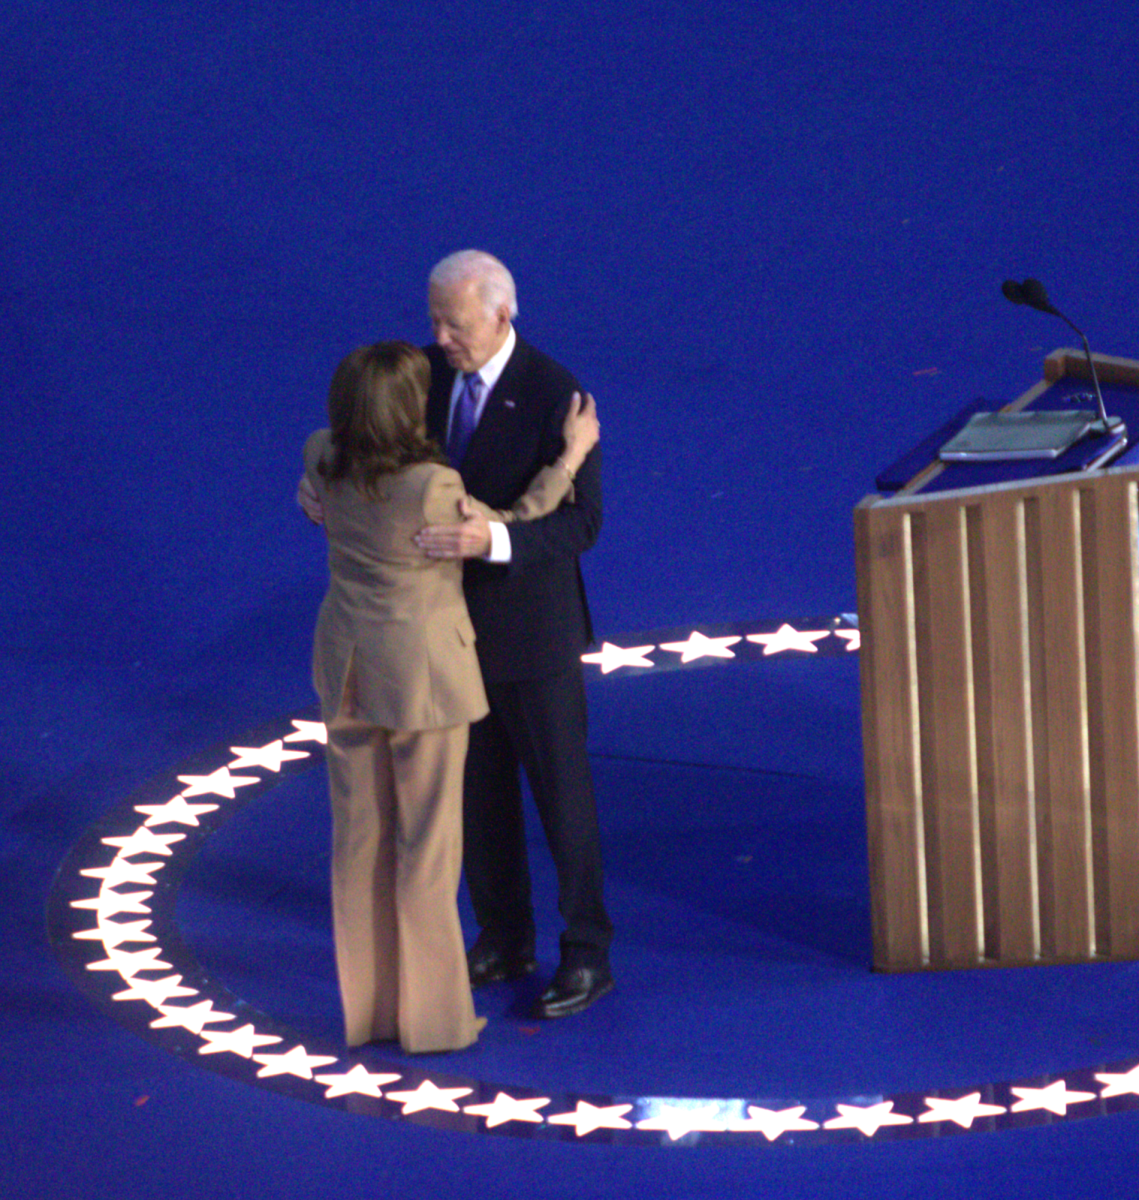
<point x="1032" y="293"/>
<point x="1012" y="290"/>
<point x="1036" y="297"/>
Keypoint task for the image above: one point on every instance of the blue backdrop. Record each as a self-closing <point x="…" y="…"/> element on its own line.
<point x="769" y="238"/>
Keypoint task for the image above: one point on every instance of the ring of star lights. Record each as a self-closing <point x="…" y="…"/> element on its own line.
<point x="112" y="924"/>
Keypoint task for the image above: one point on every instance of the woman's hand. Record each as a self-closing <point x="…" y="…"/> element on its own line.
<point x="581" y="431"/>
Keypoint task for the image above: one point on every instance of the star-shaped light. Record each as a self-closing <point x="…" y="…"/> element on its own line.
<point x="195" y="1017"/>
<point x="308" y="731"/>
<point x="174" y="812"/>
<point x="505" y="1108"/>
<point x="269" y="757"/>
<point x="357" y="1082"/>
<point x="961" y="1112"/>
<point x="241" y="1041"/>
<point x="121" y="871"/>
<point x="677" y="1121"/>
<point x="114" y="933"/>
<point x="296" y="1061"/>
<point x="867" y="1119"/>
<point x="142" y="841"/>
<point x="586" y="1117"/>
<point x="699" y="646"/>
<point x="427" y="1095"/>
<point x="852" y="637"/>
<point x="1055" y="1098"/>
<point x="787" y="637"/>
<point x="1125" y="1084"/>
<point x="610" y="657"/>
<point x="129" y="962"/>
<point x="216" y="783"/>
<point x="773" y="1123"/>
<point x="109" y="904"/>
<point x="155" y="992"/>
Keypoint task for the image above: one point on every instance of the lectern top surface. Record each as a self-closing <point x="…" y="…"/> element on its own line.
<point x="1066" y="394"/>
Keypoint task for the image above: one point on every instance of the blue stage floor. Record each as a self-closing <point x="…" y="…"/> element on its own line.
<point x="748" y="1045"/>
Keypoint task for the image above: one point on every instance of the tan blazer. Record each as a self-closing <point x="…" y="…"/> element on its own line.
<point x="396" y="615"/>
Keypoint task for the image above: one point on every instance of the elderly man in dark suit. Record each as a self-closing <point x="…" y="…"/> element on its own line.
<point x="497" y="405"/>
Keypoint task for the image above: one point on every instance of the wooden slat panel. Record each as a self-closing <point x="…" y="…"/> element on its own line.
<point x="1044" y="599"/>
<point x="948" y="748"/>
<point x="890" y="733"/>
<point x="1063" y="810"/>
<point x="1034" y="569"/>
<point x="1090" y="537"/>
<point x="1110" y="529"/>
<point x="1005" y="777"/>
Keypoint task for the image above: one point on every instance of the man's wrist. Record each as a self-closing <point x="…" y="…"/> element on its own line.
<point x="500" y="549"/>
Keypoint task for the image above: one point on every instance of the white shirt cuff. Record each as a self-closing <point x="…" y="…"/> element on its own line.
<point x="499" y="543"/>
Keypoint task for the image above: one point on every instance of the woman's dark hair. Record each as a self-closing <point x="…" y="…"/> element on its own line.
<point x="376" y="406"/>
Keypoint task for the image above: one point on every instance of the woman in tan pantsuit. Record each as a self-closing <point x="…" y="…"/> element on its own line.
<point x="395" y="667"/>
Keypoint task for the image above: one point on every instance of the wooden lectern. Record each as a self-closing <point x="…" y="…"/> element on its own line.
<point x="999" y="649"/>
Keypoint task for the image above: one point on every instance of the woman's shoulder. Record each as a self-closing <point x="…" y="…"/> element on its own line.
<point x="437" y="490"/>
<point x="316" y="444"/>
<point x="429" y="475"/>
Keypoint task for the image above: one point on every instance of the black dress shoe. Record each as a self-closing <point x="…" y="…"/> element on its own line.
<point x="487" y="964"/>
<point x="573" y="991"/>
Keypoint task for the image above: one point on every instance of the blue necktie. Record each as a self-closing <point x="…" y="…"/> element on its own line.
<point x="465" y="418"/>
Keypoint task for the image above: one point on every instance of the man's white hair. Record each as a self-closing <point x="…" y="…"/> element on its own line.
<point x="495" y="283"/>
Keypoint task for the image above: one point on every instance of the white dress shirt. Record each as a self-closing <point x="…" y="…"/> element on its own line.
<point x="489" y="373"/>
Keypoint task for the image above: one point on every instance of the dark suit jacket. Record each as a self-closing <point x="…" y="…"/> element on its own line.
<point x="531" y="616"/>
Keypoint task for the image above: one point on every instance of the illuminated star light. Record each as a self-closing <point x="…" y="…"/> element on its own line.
<point x="699" y="646"/>
<point x="610" y="657"/>
<point x="121" y="871"/>
<point x="114" y="933"/>
<point x="194" y="1017"/>
<point x="772" y="1123"/>
<point x="786" y="637"/>
<point x="852" y="637"/>
<point x="426" y="1096"/>
<point x="961" y="1112"/>
<point x="241" y="1041"/>
<point x="677" y="1122"/>
<point x="155" y="992"/>
<point x="296" y="1061"/>
<point x="216" y="783"/>
<point x="1055" y="1098"/>
<point x="268" y="757"/>
<point x="142" y="841"/>
<point x="869" y="1119"/>
<point x="174" y="812"/>
<point x="586" y="1118"/>
<point x="357" y="1082"/>
<point x="308" y="731"/>
<point x="505" y="1108"/>
<point x="109" y="904"/>
<point x="128" y="963"/>
<point x="1126" y="1084"/>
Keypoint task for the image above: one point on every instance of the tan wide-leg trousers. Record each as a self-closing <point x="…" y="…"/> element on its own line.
<point x="396" y="857"/>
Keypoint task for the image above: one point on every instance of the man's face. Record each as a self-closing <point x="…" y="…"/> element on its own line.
<point x="464" y="330"/>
